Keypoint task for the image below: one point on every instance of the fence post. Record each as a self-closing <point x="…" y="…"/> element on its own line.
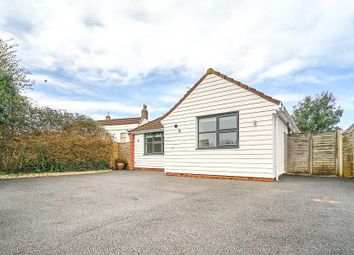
<point x="310" y="154"/>
<point x="352" y="154"/>
<point x="115" y="154"/>
<point x="285" y="153"/>
<point x="339" y="151"/>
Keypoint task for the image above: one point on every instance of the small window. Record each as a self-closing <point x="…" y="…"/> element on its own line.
<point x="154" y="143"/>
<point x="123" y="137"/>
<point x="218" y="131"/>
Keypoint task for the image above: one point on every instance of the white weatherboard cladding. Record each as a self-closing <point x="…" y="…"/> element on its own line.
<point x="214" y="95"/>
<point x="145" y="161"/>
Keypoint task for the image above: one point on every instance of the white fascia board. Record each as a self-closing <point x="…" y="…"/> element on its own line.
<point x="146" y="131"/>
<point x="285" y="116"/>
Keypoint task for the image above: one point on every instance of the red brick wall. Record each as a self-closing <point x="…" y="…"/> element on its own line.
<point x="131" y="151"/>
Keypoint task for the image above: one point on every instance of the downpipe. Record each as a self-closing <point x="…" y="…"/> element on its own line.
<point x="275" y="145"/>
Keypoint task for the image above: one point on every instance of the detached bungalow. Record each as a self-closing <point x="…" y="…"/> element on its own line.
<point x="220" y="128"/>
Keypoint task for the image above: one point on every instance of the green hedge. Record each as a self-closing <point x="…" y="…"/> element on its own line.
<point x="55" y="152"/>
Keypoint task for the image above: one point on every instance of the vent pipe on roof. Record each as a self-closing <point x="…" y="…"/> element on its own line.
<point x="144" y="112"/>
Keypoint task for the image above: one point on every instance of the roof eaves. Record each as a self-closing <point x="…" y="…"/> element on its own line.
<point x="290" y="119"/>
<point x="143" y="131"/>
<point x="152" y="125"/>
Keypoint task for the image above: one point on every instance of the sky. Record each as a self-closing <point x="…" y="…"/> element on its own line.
<point x="113" y="56"/>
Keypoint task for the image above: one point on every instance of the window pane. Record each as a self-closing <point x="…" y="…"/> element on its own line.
<point x="207" y="140"/>
<point x="157" y="137"/>
<point x="149" y="138"/>
<point x="149" y="148"/>
<point x="229" y="138"/>
<point x="228" y="122"/>
<point x="207" y="124"/>
<point x="157" y="148"/>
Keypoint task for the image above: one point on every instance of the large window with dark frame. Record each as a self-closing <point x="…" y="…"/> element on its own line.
<point x="153" y="143"/>
<point x="218" y="131"/>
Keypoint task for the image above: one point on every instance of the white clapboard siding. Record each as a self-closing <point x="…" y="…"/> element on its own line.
<point x="214" y="95"/>
<point x="145" y="161"/>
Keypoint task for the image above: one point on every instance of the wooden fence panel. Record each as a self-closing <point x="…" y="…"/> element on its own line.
<point x="115" y="154"/>
<point x="348" y="155"/>
<point x="298" y="153"/>
<point x="120" y="151"/>
<point x="124" y="151"/>
<point x="313" y="153"/>
<point x="324" y="153"/>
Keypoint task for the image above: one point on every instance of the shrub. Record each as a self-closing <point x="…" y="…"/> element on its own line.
<point x="55" y="151"/>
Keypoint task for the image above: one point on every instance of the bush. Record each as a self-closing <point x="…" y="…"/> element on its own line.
<point x="55" y="151"/>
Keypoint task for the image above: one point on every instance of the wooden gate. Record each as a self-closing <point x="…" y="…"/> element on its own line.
<point x="348" y="155"/>
<point x="324" y="154"/>
<point x="298" y="153"/>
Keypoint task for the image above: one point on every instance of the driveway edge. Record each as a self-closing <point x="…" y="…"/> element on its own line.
<point x="35" y="175"/>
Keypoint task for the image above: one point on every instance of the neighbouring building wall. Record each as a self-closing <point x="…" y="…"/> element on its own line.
<point x="145" y="161"/>
<point x="119" y="132"/>
<point x="214" y="95"/>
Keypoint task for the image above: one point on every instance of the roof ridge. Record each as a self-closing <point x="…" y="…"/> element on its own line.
<point x="120" y="118"/>
<point x="119" y="121"/>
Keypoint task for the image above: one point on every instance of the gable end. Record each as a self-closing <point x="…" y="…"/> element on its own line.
<point x="238" y="83"/>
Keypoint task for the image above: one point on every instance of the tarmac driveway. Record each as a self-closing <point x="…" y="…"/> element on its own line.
<point x="133" y="212"/>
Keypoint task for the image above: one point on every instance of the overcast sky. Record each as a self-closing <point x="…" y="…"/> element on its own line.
<point x="113" y="56"/>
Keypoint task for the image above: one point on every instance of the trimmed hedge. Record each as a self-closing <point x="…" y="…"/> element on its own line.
<point x="55" y="152"/>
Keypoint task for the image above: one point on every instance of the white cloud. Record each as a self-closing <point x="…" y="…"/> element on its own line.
<point x="68" y="85"/>
<point x="169" y="99"/>
<point x="282" y="69"/>
<point x="91" y="108"/>
<point x="126" y="40"/>
<point x="289" y="97"/>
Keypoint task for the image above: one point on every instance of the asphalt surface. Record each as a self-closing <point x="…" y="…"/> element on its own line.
<point x="133" y="212"/>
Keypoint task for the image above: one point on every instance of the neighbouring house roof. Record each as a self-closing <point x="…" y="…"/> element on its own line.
<point x="152" y="125"/>
<point x="156" y="124"/>
<point x="350" y="128"/>
<point x="122" y="121"/>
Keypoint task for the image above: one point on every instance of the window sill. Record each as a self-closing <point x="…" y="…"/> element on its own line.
<point x="219" y="148"/>
<point x="153" y="154"/>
